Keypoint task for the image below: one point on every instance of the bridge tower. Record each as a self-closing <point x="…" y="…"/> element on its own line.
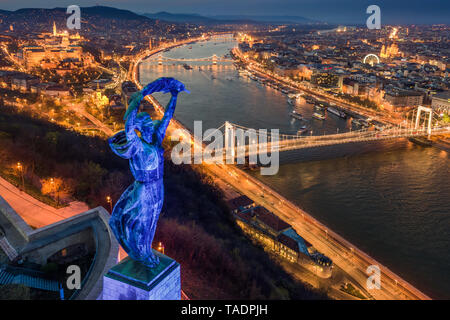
<point x="214" y="59"/>
<point x="160" y="59"/>
<point x="430" y="117"/>
<point x="229" y="142"/>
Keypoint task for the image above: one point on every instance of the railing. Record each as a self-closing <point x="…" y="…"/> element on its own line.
<point x="8" y="248"/>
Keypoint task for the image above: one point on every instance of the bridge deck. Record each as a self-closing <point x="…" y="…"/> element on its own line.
<point x="290" y="142"/>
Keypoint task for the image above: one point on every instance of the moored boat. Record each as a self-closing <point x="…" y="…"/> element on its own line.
<point x="337" y="112"/>
<point x="318" y="116"/>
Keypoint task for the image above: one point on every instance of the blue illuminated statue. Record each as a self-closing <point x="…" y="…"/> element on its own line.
<point x="133" y="220"/>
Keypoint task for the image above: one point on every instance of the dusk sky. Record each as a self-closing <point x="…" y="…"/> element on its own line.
<point x="334" y="11"/>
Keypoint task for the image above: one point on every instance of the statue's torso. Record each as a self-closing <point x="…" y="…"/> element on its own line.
<point x="147" y="165"/>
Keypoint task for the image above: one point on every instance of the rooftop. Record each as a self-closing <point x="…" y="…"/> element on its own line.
<point x="240" y="202"/>
<point x="270" y="219"/>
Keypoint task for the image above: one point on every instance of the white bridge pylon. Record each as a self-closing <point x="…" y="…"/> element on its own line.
<point x="429" y="112"/>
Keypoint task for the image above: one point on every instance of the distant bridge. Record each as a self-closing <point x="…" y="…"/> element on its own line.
<point x="223" y="37"/>
<point x="214" y="59"/>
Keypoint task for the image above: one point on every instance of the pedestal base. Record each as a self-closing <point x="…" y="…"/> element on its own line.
<point x="131" y="280"/>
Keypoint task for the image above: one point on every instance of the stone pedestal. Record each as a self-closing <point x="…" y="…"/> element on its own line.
<point x="131" y="280"/>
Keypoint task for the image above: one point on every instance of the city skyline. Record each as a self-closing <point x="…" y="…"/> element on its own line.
<point x="344" y="12"/>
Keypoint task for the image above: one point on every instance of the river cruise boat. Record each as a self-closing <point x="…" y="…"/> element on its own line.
<point x="337" y="112"/>
<point x="319" y="107"/>
<point x="318" y="116"/>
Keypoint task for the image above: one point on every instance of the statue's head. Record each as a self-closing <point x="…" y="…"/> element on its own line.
<point x="145" y="126"/>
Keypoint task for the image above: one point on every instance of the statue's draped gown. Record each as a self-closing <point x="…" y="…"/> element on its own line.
<point x="136" y="213"/>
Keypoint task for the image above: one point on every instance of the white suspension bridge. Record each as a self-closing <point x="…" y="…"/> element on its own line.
<point x="242" y="141"/>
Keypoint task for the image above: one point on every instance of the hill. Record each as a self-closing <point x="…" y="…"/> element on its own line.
<point x="226" y="19"/>
<point x="181" y="18"/>
<point x="93" y="19"/>
<point x="266" y="19"/>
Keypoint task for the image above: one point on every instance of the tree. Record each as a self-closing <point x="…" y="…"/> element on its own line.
<point x="53" y="187"/>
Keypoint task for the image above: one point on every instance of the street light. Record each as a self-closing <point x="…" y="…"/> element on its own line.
<point x="109" y="200"/>
<point x="160" y="247"/>
<point x="20" y="168"/>
<point x="52" y="182"/>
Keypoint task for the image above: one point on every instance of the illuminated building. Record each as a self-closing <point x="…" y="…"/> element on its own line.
<point x="389" y="51"/>
<point x="403" y="98"/>
<point x="99" y="99"/>
<point x="53" y="49"/>
<point x="441" y="102"/>
<point x="324" y="79"/>
<point x="278" y="237"/>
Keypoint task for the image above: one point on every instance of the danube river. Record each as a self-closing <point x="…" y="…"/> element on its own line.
<point x="391" y="199"/>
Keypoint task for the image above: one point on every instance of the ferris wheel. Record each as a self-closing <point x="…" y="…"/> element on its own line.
<point x="371" y="59"/>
